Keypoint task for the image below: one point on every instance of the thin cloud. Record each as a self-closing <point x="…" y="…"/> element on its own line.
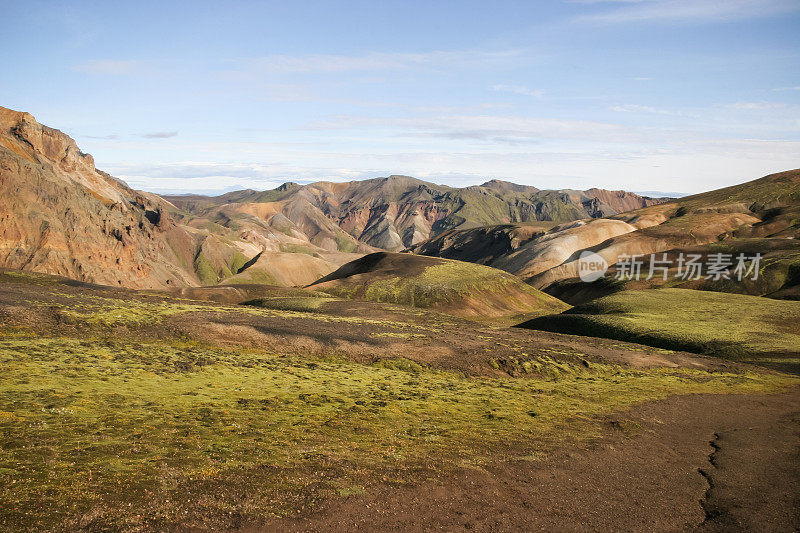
<point x="373" y="61"/>
<point x="635" y="108"/>
<point x="756" y="106"/>
<point x="797" y="88"/>
<point x="160" y="135"/>
<point x="102" y="137"/>
<point x="518" y="89"/>
<point x="504" y="129"/>
<point x="108" y="67"/>
<point x="692" y="11"/>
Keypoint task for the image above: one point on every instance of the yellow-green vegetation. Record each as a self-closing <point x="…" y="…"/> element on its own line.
<point x="154" y="434"/>
<point x="252" y="277"/>
<point x="782" y="188"/>
<point x="345" y="242"/>
<point x="205" y="270"/>
<point x="747" y="328"/>
<point x="237" y="261"/>
<point x="307" y="304"/>
<point x="111" y="312"/>
<point x="298" y="249"/>
<point x="28" y="278"/>
<point x="397" y="335"/>
<point x="438" y="284"/>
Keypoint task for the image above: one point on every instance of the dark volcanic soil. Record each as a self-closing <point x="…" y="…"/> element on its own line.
<point x="699" y="463"/>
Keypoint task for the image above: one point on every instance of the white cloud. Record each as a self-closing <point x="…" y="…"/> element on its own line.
<point x="110" y="67"/>
<point x="635" y="108"/>
<point x="754" y="106"/>
<point x="518" y="89"/>
<point x="787" y="88"/>
<point x="693" y="11"/>
<point x="160" y="135"/>
<point x="503" y="129"/>
<point x="373" y="61"/>
<point x="689" y="165"/>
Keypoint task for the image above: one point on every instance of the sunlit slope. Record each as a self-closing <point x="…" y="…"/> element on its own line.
<point x="734" y="326"/>
<point x="454" y="287"/>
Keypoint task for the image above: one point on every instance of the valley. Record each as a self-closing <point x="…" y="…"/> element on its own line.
<point x="388" y="354"/>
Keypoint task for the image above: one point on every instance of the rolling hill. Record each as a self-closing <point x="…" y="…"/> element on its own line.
<point x="453" y="287"/>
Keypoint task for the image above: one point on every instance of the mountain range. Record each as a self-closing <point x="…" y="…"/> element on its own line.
<point x="63" y="216"/>
<point x="757" y="217"/>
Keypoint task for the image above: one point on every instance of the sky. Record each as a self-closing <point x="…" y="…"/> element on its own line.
<point x="677" y="96"/>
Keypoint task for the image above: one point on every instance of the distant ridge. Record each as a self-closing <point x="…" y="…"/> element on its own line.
<point x="396" y="212"/>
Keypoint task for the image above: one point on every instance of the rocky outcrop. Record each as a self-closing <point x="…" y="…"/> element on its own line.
<point x="60" y="215"/>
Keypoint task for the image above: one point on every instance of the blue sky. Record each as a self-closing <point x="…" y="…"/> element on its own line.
<point x="650" y="95"/>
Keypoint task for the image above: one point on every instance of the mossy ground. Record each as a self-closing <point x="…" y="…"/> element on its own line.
<point x="111" y="434"/>
<point x="436" y="284"/>
<point x="441" y="284"/>
<point x="112" y="420"/>
<point x="298" y="249"/>
<point x="740" y="327"/>
<point x="308" y="304"/>
<point x="258" y="277"/>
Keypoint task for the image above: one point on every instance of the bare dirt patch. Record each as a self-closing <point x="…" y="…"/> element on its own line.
<point x="644" y="476"/>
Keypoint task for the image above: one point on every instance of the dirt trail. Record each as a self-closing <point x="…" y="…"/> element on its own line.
<point x="700" y="462"/>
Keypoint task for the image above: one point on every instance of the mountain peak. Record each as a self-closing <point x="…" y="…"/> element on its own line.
<point x="500" y="185"/>
<point x="41" y="145"/>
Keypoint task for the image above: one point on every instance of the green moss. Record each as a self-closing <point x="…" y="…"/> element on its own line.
<point x="437" y="284"/>
<point x="131" y="313"/>
<point x="237" y="261"/>
<point x="405" y="365"/>
<point x="729" y="325"/>
<point x="258" y="277"/>
<point x="103" y="313"/>
<point x="307" y="304"/>
<point x="205" y="270"/>
<point x="352" y="490"/>
<point x="151" y="435"/>
<point x="345" y="242"/>
<point x="225" y="272"/>
<point x="213" y="227"/>
<point x="28" y="278"/>
<point x="176" y="250"/>
<point x="298" y="249"/>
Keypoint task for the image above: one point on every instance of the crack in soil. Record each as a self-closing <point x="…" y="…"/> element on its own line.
<point x="711" y="510"/>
